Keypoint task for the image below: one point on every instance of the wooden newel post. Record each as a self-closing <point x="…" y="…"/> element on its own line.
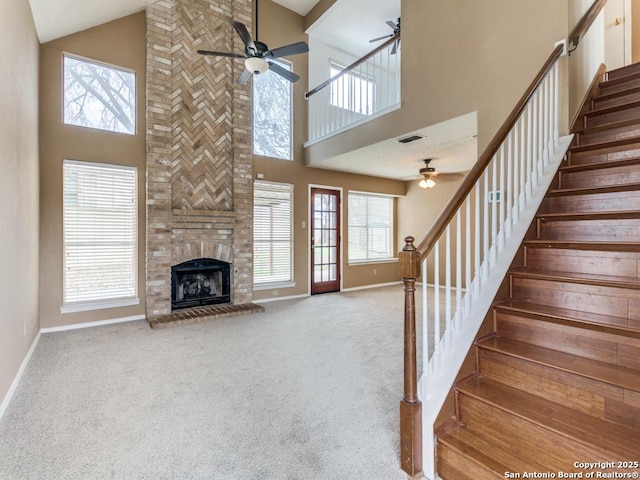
<point x="410" y="406"/>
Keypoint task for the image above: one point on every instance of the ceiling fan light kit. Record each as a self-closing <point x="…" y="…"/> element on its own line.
<point x="427" y="172"/>
<point x="256" y="65"/>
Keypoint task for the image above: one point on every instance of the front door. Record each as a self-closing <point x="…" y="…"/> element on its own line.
<point x="325" y="240"/>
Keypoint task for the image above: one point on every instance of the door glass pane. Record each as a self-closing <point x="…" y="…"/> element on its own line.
<point x="333" y="220"/>
<point x="332" y="272"/>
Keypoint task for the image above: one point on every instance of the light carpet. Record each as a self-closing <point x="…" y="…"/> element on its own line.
<point x="307" y="390"/>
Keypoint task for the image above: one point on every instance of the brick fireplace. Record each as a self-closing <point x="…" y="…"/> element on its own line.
<point x="199" y="155"/>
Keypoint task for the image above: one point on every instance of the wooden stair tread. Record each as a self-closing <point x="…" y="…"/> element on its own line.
<point x="618" y="80"/>
<point x="618" y="325"/>
<point x="623" y="142"/>
<point x="585" y="367"/>
<point x="612" y="109"/>
<point x="583" y="278"/>
<point x="612" y="439"/>
<point x="600" y="165"/>
<point x="474" y="454"/>
<point x="560" y="216"/>
<point x="625" y="187"/>
<point x="474" y="445"/>
<point x="622" y="93"/>
<point x="584" y="245"/>
<point x="607" y="127"/>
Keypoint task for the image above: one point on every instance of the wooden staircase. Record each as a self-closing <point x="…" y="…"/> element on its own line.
<point x="558" y="381"/>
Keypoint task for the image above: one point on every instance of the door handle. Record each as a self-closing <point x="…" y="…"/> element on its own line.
<point x="618" y="21"/>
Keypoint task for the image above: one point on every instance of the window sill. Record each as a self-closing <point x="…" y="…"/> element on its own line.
<point x="83" y="307"/>
<point x="271" y="286"/>
<point x="372" y="262"/>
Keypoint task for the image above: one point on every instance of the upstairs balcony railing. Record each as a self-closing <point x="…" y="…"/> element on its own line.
<point x="355" y="94"/>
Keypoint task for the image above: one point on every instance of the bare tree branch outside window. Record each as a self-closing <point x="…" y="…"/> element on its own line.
<point x="272" y="115"/>
<point x="98" y="96"/>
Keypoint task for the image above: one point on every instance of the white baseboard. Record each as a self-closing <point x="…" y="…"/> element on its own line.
<point x="76" y="326"/>
<point x="276" y="299"/>
<point x="18" y="377"/>
<point x="375" y="285"/>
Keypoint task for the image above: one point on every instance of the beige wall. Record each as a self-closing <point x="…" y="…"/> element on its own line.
<point x="459" y="57"/>
<point x="121" y="43"/>
<point x="279" y="26"/>
<point x="19" y="322"/>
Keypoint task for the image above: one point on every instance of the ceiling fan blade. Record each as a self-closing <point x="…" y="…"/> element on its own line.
<point x="293" y="49"/>
<point x="391" y="24"/>
<point x="380" y="38"/>
<point x="221" y="54"/>
<point x="283" y="72"/>
<point x="394" y="49"/>
<point x="245" y="36"/>
<point x="244" y="76"/>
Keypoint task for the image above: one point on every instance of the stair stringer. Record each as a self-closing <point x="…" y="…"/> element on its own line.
<point x="442" y="369"/>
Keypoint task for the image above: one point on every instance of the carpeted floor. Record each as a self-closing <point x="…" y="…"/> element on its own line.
<point x="307" y="390"/>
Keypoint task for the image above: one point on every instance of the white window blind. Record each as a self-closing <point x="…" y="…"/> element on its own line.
<point x="272" y="232"/>
<point x="100" y="232"/>
<point x="370" y="227"/>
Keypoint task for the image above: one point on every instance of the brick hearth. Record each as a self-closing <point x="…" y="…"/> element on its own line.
<point x="199" y="156"/>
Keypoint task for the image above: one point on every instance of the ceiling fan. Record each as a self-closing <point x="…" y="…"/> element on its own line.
<point x="258" y="57"/>
<point x="428" y="173"/>
<point x="396" y="30"/>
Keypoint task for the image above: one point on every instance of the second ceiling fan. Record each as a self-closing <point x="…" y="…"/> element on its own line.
<point x="258" y="56"/>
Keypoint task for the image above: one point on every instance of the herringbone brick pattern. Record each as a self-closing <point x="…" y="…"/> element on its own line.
<point x="201" y="110"/>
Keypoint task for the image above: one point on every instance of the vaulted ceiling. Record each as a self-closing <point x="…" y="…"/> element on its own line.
<point x="57" y="18"/>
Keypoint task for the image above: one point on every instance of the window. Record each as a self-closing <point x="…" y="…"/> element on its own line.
<point x="100" y="232"/>
<point x="352" y="91"/>
<point x="99" y="96"/>
<point x="370" y="227"/>
<point x="272" y="232"/>
<point x="272" y="117"/>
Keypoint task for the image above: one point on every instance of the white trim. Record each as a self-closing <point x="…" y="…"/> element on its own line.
<point x="375" y="194"/>
<point x="356" y="263"/>
<point x="374" y="285"/>
<point x="628" y="12"/>
<point x="84" y="307"/>
<point x="276" y="299"/>
<point x="99" y="323"/>
<point x="272" y="285"/>
<point x="18" y="377"/>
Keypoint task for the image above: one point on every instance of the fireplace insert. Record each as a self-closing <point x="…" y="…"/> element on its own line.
<point x="200" y="282"/>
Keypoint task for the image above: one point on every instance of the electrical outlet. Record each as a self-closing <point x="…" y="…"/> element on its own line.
<point x="274" y="292"/>
<point x="375" y="271"/>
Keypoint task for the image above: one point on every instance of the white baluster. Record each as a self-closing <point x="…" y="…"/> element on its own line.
<point x="494" y="210"/>
<point x="477" y="273"/>
<point x="458" y="268"/>
<point x="447" y="276"/>
<point x="425" y="318"/>
<point x="502" y="203"/>
<point x="486" y="225"/>
<point x="467" y="255"/>
<point x="436" y="298"/>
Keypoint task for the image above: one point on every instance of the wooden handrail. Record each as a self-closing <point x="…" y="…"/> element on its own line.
<point x="585" y="22"/>
<point x="355" y="64"/>
<point x="483" y="161"/>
